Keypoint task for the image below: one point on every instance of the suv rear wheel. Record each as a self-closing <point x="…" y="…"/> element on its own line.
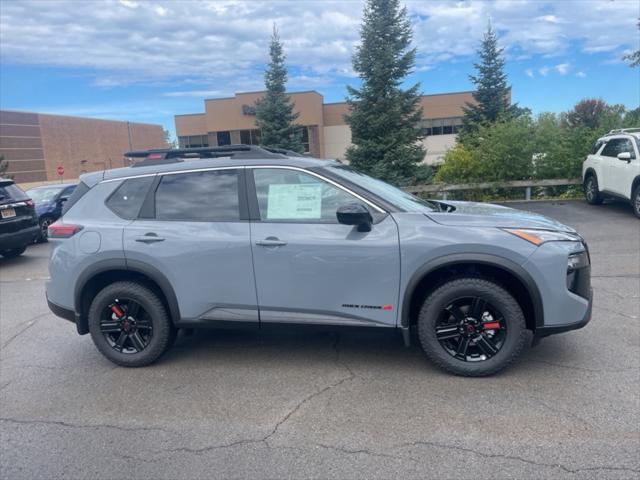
<point x="471" y="327"/>
<point x="129" y="324"/>
<point x="591" y="191"/>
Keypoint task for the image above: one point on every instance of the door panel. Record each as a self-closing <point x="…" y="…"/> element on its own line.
<point x="207" y="263"/>
<point x="194" y="231"/>
<point x="621" y="172"/>
<point x="315" y="270"/>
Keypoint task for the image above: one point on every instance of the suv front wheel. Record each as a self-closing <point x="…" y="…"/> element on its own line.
<point x="129" y="324"/>
<point x="472" y="327"/>
<point x="591" y="191"/>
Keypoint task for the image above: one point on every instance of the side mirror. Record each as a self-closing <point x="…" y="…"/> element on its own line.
<point x="626" y="156"/>
<point x="355" y="214"/>
<point x="63" y="199"/>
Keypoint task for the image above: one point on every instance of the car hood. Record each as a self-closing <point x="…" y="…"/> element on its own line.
<point x="473" y="214"/>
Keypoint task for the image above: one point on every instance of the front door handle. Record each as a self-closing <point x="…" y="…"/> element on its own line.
<point x="271" y="242"/>
<point x="149" y="238"/>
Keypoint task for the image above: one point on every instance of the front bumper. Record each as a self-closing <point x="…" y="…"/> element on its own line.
<point x="542" y="332"/>
<point x="19" y="239"/>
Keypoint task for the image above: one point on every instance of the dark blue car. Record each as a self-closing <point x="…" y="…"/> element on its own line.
<point x="49" y="200"/>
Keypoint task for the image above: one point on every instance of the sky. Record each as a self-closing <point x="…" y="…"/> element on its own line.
<point x="146" y="61"/>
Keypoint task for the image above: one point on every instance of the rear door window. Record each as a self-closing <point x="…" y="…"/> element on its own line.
<point x="210" y="196"/>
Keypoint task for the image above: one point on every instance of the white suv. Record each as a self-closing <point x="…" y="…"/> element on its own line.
<point x="613" y="168"/>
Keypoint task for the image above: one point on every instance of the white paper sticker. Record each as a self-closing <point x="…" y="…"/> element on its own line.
<point x="296" y="201"/>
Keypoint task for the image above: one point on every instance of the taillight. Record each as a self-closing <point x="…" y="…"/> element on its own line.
<point x="63" y="230"/>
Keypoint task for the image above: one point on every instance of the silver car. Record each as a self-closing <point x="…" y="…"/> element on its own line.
<point x="244" y="236"/>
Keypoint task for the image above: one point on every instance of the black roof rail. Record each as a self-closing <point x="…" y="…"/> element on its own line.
<point x="283" y="151"/>
<point x="168" y="155"/>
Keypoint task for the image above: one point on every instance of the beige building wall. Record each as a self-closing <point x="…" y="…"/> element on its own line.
<point x="337" y="139"/>
<point x="437" y="146"/>
<point x="326" y="120"/>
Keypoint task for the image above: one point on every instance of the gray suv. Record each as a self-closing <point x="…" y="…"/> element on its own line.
<point x="244" y="236"/>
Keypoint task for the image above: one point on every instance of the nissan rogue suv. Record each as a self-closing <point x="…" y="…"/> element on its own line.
<point x="244" y="236"/>
<point x="612" y="170"/>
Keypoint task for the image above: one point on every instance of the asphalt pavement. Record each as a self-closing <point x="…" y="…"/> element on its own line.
<point x="326" y="404"/>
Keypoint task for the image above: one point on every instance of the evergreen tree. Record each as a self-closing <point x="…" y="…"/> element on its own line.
<point x="274" y="112"/>
<point x="492" y="92"/>
<point x="384" y="118"/>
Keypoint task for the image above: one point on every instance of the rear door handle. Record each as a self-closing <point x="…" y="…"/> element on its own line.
<point x="271" y="242"/>
<point x="149" y="238"/>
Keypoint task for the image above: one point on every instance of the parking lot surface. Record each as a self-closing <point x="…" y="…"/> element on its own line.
<point x="326" y="404"/>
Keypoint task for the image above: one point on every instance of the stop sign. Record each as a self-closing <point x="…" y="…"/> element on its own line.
<point x="60" y="170"/>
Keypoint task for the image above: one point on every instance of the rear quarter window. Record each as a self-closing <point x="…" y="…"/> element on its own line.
<point x="12" y="192"/>
<point x="77" y="194"/>
<point x="127" y="199"/>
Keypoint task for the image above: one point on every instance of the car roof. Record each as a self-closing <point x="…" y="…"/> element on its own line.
<point x="202" y="163"/>
<point x="54" y="185"/>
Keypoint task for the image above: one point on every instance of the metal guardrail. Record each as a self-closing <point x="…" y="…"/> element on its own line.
<point x="444" y="188"/>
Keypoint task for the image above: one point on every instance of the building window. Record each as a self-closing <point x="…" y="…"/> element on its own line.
<point x="224" y="138"/>
<point x="250" y="137"/>
<point x="441" y="126"/>
<point x="305" y="139"/>
<point x="193" y="141"/>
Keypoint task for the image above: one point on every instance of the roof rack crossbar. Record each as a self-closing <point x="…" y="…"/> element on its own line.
<point x="624" y="130"/>
<point x="168" y="155"/>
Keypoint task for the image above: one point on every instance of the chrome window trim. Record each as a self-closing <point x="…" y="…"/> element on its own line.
<point x="314" y="174"/>
<point x="237" y="167"/>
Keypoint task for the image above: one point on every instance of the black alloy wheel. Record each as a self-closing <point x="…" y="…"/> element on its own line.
<point x="471" y="329"/>
<point x="472" y="326"/>
<point x="129" y="324"/>
<point x="126" y="326"/>
<point x="591" y="190"/>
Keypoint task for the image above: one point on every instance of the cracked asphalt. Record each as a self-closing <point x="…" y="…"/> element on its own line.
<point x="326" y="404"/>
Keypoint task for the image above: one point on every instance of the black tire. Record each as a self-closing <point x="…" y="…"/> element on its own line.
<point x="13" y="252"/>
<point x="635" y="200"/>
<point x="44" y="224"/>
<point x="159" y="333"/>
<point x="499" y="303"/>
<point x="591" y="191"/>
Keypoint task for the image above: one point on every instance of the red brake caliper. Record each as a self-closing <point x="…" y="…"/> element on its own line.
<point x="115" y="309"/>
<point x="491" y="325"/>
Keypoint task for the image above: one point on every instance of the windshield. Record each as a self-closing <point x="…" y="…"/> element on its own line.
<point x="389" y="193"/>
<point x="43" y="195"/>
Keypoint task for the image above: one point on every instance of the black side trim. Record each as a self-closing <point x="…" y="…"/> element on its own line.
<point x="554" y="329"/>
<point x="164" y="284"/>
<point x="61" y="312"/>
<point x="483" y="259"/>
<point x="130" y="265"/>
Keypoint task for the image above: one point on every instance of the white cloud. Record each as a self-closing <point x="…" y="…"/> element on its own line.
<point x="581" y="74"/>
<point x="529" y="72"/>
<point x="562" y="68"/>
<point x="221" y="43"/>
<point x="544" y="71"/>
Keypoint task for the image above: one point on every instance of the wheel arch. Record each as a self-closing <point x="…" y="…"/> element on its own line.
<point x="509" y="274"/>
<point x="634" y="185"/>
<point x="588" y="172"/>
<point x="108" y="271"/>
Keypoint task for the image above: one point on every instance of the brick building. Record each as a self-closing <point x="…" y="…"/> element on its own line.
<point x="325" y="134"/>
<point x="34" y="144"/>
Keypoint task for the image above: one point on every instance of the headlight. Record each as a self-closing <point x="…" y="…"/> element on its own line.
<point x="538" y="237"/>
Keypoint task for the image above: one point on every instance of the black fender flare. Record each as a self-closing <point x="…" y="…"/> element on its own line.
<point x="484" y="259"/>
<point x="589" y="171"/>
<point x="133" y="266"/>
<point x="634" y="184"/>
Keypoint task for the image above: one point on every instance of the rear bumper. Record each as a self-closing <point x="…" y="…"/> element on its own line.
<point x="566" y="327"/>
<point x="67" y="314"/>
<point x="19" y="239"/>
